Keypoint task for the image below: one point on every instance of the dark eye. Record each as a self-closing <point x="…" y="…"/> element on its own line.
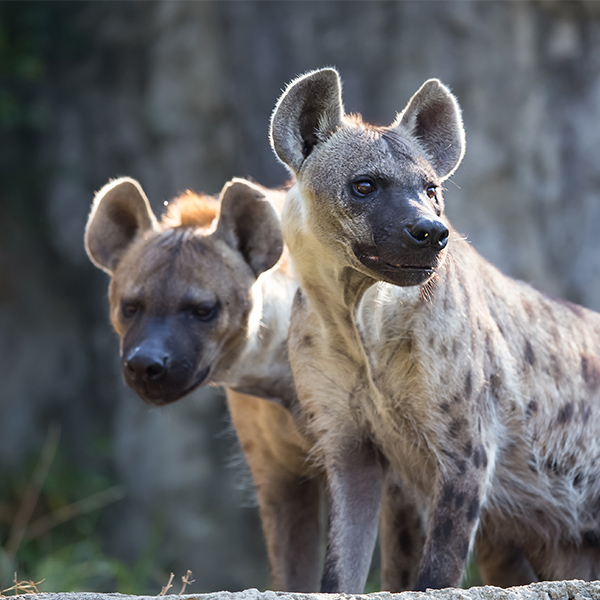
<point x="363" y="187"/>
<point x="130" y="308"/>
<point x="205" y="312"/>
<point x="431" y="191"/>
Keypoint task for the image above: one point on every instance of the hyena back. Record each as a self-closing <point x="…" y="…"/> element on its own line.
<point x="418" y="360"/>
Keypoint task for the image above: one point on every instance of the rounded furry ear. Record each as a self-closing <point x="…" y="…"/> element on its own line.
<point x="120" y="211"/>
<point x="433" y="117"/>
<point x="248" y="223"/>
<point x="309" y="110"/>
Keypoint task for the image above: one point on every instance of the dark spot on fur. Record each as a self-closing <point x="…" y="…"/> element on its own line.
<point x="445" y="406"/>
<point x="299" y="298"/>
<point x="586" y="412"/>
<point x="461" y="466"/>
<point x="555" y="369"/>
<point x="473" y="509"/>
<point x="444" y="350"/>
<point x="456" y="399"/>
<point x="468" y="448"/>
<point x="529" y="355"/>
<point x="577" y="480"/>
<point x="500" y="329"/>
<point x="448" y="493"/>
<point x="489" y="348"/>
<point x="591" y="539"/>
<point x="456" y="426"/>
<point x="495" y="386"/>
<point x="468" y="384"/>
<point x="463" y="550"/>
<point x="590" y="370"/>
<point x="443" y="530"/>
<point x="566" y="413"/>
<point x="459" y="500"/>
<point x="455" y="343"/>
<point x="307" y="341"/>
<point x="406" y="543"/>
<point x="480" y="457"/>
<point x="532" y="407"/>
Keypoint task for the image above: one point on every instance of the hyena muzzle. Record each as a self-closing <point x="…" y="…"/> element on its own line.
<point x="417" y="360"/>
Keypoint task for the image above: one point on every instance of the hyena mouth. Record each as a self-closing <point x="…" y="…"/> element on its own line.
<point x="402" y="274"/>
<point x="167" y="394"/>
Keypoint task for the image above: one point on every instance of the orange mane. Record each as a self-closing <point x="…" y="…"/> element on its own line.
<point x="191" y="210"/>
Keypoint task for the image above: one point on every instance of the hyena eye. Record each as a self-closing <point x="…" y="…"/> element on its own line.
<point x="363" y="187"/>
<point x="205" y="312"/>
<point x="130" y="308"/>
<point x="431" y="191"/>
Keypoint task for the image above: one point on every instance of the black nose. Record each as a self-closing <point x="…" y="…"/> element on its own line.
<point x="146" y="366"/>
<point x="425" y="233"/>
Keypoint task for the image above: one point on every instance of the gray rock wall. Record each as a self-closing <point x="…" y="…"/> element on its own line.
<point x="178" y="95"/>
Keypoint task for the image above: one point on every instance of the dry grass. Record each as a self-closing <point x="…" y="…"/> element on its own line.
<point x="185" y="580"/>
<point x="21" y="587"/>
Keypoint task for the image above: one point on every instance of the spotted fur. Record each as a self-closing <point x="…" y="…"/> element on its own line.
<point x="426" y="365"/>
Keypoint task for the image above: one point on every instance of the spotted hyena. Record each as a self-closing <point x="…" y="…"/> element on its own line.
<point x="415" y="359"/>
<point x="204" y="297"/>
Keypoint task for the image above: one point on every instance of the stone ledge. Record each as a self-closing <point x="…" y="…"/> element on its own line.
<point x="546" y="590"/>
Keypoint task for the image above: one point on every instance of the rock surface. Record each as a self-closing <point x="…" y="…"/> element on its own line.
<point x="554" y="590"/>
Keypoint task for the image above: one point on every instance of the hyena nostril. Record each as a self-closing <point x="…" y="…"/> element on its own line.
<point x="155" y="371"/>
<point x="443" y="239"/>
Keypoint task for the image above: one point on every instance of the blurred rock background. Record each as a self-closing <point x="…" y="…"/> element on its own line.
<point x="178" y="95"/>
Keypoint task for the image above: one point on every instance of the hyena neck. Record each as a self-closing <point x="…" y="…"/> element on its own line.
<point x="262" y="366"/>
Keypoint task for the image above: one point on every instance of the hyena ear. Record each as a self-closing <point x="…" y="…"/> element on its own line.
<point x="433" y="117"/>
<point x="309" y="110"/>
<point x="248" y="223"/>
<point x="120" y="211"/>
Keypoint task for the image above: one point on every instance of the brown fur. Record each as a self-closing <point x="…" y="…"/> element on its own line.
<point x="426" y="365"/>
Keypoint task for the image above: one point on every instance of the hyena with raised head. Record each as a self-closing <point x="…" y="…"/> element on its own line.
<point x="414" y="357"/>
<point x="204" y="297"/>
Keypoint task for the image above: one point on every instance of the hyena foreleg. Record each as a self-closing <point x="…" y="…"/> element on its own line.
<point x="355" y="493"/>
<point x="402" y="536"/>
<point x="288" y="492"/>
<point x="457" y="497"/>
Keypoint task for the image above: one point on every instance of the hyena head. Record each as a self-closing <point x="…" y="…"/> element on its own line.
<point x="181" y="289"/>
<point x="372" y="194"/>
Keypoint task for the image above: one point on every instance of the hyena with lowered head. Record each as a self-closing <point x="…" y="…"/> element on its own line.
<point x="204" y="297"/>
<point x="415" y="357"/>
